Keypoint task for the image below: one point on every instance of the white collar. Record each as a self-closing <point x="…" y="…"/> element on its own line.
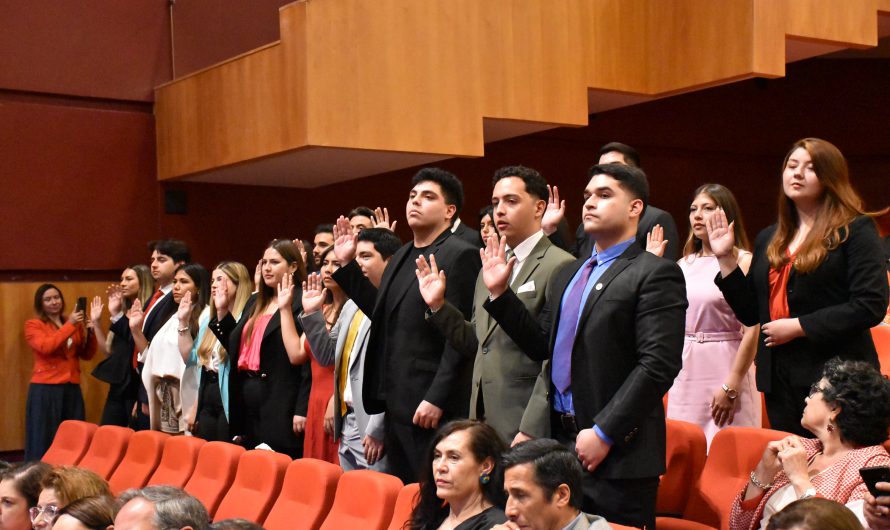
<point x="455" y="225"/>
<point x="525" y="248"/>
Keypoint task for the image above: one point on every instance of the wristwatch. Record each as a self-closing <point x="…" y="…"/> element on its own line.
<point x="731" y="393"/>
<point x="811" y="492"/>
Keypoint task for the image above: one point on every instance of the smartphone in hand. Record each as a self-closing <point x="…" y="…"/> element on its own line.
<point x="872" y="475"/>
<point x="81" y="304"/>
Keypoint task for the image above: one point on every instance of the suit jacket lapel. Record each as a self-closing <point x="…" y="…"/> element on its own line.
<point x="603" y="281"/>
<point x="386" y="280"/>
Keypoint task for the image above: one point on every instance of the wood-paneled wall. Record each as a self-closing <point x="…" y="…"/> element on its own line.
<point x="16" y="306"/>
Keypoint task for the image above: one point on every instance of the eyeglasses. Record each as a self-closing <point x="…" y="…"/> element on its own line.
<point x="49" y="512"/>
<point x="815" y="389"/>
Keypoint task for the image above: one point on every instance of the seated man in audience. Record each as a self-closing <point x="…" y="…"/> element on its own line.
<point x="235" y="524"/>
<point x="160" y="508"/>
<point x="543" y="480"/>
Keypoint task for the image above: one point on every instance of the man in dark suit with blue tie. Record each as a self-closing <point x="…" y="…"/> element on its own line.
<point x="614" y="335"/>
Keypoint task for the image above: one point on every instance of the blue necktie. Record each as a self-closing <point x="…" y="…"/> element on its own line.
<point x="565" y="332"/>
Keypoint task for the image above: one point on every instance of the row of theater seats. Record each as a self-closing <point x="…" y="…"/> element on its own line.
<point x="261" y="486"/>
<point x="696" y="491"/>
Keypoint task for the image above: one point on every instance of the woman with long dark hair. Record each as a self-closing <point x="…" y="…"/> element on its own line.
<point x="817" y="281"/>
<point x="268" y="389"/>
<point x="58" y="343"/>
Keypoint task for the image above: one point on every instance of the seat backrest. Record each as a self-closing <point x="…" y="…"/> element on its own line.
<point x="106" y="450"/>
<point x="70" y="443"/>
<point x="401" y="514"/>
<point x="177" y="461"/>
<point x="306" y="495"/>
<point x="256" y="486"/>
<point x="365" y="499"/>
<point x="881" y="335"/>
<point x="139" y="462"/>
<point x="735" y="451"/>
<point x="685" y="458"/>
<point x="214" y="472"/>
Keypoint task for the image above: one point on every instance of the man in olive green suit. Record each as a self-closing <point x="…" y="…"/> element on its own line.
<point x="509" y="391"/>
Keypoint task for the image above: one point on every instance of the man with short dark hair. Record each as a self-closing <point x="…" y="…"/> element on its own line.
<point x="360" y="217"/>
<point x="324" y="237"/>
<point x="411" y="373"/>
<point x="543" y="481"/>
<point x="506" y="393"/>
<point x="619" y="153"/>
<point x="160" y="508"/>
<point x="613" y="332"/>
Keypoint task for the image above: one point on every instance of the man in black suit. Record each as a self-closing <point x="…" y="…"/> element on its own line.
<point x="466" y="233"/>
<point x="614" y="336"/>
<point x="616" y="153"/>
<point x="411" y="373"/>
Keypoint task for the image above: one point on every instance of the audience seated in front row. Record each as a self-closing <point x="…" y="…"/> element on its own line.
<point x="160" y="508"/>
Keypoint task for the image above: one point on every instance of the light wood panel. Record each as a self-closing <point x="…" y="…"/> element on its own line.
<point x="414" y="77"/>
<point x="16" y="306"/>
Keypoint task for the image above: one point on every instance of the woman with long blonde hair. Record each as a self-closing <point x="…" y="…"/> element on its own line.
<point x="817" y="281"/>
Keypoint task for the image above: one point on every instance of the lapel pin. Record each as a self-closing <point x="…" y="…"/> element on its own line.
<point x="598" y="286"/>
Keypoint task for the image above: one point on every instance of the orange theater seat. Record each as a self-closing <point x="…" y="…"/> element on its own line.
<point x="106" y="450"/>
<point x="177" y="461"/>
<point x="256" y="486"/>
<point x="214" y="471"/>
<point x="735" y="451"/>
<point x="70" y="443"/>
<point x="686" y="452"/>
<point x="365" y="499"/>
<point x="306" y="495"/>
<point x="408" y="497"/>
<point x="881" y="335"/>
<point x="141" y="459"/>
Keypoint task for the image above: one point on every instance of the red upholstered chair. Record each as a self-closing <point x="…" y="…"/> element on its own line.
<point x="177" y="461"/>
<point x="139" y="462"/>
<point x="306" y="495"/>
<point x="365" y="499"/>
<point x="687" y="449"/>
<point x="106" y="450"/>
<point x="404" y="506"/>
<point x="256" y="486"/>
<point x="70" y="443"/>
<point x="735" y="451"/>
<point x="214" y="472"/>
<point x="881" y="335"/>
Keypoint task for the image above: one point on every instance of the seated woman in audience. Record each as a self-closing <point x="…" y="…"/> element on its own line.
<point x="88" y="513"/>
<point x="849" y="412"/>
<point x="320" y="439"/>
<point x="462" y="486"/>
<point x="19" y="490"/>
<point x="814" y="514"/>
<point x="487" y="226"/>
<point x="62" y="486"/>
<point x="172" y="391"/>
<point x="270" y="392"/>
<point x="230" y="288"/>
<point x="117" y="368"/>
<point x="716" y="386"/>
<point x="58" y="344"/>
<point x="817" y="281"/>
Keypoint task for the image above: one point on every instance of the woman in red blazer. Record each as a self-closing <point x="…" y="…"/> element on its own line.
<point x="58" y="344"/>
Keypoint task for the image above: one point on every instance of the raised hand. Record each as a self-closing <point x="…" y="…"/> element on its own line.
<point x="496" y="270"/>
<point x="655" y="242"/>
<point x="431" y="282"/>
<point x="285" y="292"/>
<point x="314" y="294"/>
<point x="96" y="308"/>
<point x="344" y="241"/>
<point x="76" y="317"/>
<point x="135" y="315"/>
<point x="301" y="248"/>
<point x="184" y="312"/>
<point x="555" y="212"/>
<point x="381" y="219"/>
<point x="720" y="234"/>
<point x="221" y="299"/>
<point x="115" y="299"/>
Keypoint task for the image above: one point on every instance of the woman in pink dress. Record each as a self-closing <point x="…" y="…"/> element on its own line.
<point x="716" y="386"/>
<point x="320" y="441"/>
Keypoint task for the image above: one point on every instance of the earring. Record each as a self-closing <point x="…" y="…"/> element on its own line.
<point x="830" y="427"/>
<point x="485" y="477"/>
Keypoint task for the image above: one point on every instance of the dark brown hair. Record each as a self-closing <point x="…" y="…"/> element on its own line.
<point x="725" y="200"/>
<point x="290" y="254"/>
<point x="96" y="512"/>
<point x="38" y="301"/>
<point x="26" y="478"/>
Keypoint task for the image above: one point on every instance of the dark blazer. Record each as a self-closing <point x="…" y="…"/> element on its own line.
<point x="407" y="362"/>
<point x="628" y="349"/>
<point x="837" y="304"/>
<point x="287" y="386"/>
<point x="468" y="234"/>
<point x="117" y="369"/>
<point x="583" y="246"/>
<point x="160" y="313"/>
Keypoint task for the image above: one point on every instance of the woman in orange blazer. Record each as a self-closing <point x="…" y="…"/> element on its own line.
<point x="58" y="345"/>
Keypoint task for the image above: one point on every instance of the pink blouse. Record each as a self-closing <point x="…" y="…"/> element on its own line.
<point x="249" y="354"/>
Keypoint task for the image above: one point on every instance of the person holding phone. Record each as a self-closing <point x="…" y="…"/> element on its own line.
<point x="877" y="508"/>
<point x="848" y="410"/>
<point x="58" y="344"/>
